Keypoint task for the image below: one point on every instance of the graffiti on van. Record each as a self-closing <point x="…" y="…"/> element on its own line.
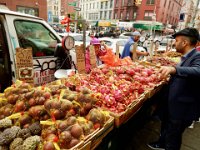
<point x="44" y="70"/>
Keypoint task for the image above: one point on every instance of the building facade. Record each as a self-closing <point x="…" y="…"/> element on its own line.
<point x="164" y="11"/>
<point x="94" y="10"/>
<point x="125" y="10"/>
<point x="33" y="7"/>
<point x="67" y="6"/>
<point x="53" y="10"/>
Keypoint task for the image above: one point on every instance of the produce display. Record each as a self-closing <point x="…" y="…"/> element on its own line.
<point x="67" y="112"/>
<point x="162" y="61"/>
<point x="50" y="117"/>
<point x="172" y="54"/>
<point x="117" y="87"/>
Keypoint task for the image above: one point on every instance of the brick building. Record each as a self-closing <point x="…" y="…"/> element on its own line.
<point x="167" y="11"/>
<point x="33" y="7"/>
<point x="65" y="8"/>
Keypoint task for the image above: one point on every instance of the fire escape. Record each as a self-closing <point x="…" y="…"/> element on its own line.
<point x="131" y="7"/>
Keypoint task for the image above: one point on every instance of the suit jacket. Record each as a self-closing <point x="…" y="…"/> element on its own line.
<point x="184" y="89"/>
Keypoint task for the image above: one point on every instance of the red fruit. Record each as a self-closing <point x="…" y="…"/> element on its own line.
<point x="7" y="111"/>
<point x="56" y="104"/>
<point x="105" y="70"/>
<point x="49" y="146"/>
<point x="97" y="125"/>
<point x="72" y="112"/>
<point x="118" y="95"/>
<point x="58" y="114"/>
<point x="140" y="90"/>
<point x="149" y="71"/>
<point x="144" y="74"/>
<point x="119" y="71"/>
<point x="65" y="137"/>
<point x="76" y="131"/>
<point x="20" y="106"/>
<point x="47" y="104"/>
<point x="41" y="100"/>
<point x="62" y="125"/>
<point x="47" y="95"/>
<point x="130" y="72"/>
<point x="73" y="142"/>
<point x="32" y="102"/>
<point x="51" y="137"/>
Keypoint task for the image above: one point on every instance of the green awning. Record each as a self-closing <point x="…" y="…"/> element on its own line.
<point x="147" y="26"/>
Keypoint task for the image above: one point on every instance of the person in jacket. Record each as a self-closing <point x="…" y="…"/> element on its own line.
<point x="128" y="48"/>
<point x="182" y="105"/>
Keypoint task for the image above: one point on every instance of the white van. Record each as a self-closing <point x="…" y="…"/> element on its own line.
<point x="22" y="30"/>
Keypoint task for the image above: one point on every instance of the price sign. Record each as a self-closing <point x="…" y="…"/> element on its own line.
<point x="80" y="58"/>
<point x="93" y="59"/>
<point x="24" y="64"/>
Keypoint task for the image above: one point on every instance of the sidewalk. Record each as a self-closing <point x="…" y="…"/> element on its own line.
<point x="142" y="129"/>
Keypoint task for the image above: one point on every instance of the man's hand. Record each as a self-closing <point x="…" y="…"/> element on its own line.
<point x="166" y="71"/>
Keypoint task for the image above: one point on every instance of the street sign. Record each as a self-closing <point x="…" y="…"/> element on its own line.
<point x="72" y="4"/>
<point x="77" y="8"/>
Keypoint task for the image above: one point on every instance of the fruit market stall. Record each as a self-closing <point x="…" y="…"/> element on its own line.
<point x="43" y="118"/>
<point x="76" y="112"/>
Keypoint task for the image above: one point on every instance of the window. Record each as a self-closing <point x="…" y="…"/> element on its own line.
<point x="35" y="35"/>
<point x="111" y="3"/>
<point x="97" y="5"/>
<point x="169" y="4"/>
<point x="101" y="5"/>
<point x="110" y="14"/>
<point x="165" y="3"/>
<point x="105" y="15"/>
<point x="115" y="15"/>
<point x="150" y="2"/>
<point x="116" y="3"/>
<point x="121" y="15"/>
<point x="122" y="2"/>
<point x="28" y="10"/>
<point x="101" y="14"/>
<point x="106" y="5"/>
<point x="148" y="15"/>
<point x="127" y="15"/>
<point x="134" y="15"/>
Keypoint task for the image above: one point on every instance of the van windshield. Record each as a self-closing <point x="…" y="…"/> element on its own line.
<point x="37" y="36"/>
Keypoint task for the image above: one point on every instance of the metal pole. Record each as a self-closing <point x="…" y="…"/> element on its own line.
<point x="195" y="13"/>
<point x="76" y="16"/>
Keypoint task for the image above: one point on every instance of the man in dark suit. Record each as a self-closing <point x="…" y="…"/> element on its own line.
<point x="182" y="105"/>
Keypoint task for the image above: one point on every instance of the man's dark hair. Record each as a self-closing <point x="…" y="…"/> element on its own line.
<point x="193" y="40"/>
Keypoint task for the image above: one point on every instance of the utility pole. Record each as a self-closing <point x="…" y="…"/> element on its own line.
<point x="76" y="16"/>
<point x="195" y="13"/>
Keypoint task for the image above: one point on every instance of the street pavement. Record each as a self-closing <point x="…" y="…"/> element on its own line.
<point x="142" y="129"/>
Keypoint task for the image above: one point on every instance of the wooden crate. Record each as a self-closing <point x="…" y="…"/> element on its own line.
<point x="98" y="136"/>
<point x="156" y="89"/>
<point x="123" y="117"/>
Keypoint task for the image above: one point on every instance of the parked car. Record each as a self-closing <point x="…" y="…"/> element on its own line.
<point x="125" y="35"/>
<point x="166" y="41"/>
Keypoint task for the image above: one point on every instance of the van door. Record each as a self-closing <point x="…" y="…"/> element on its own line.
<point x="5" y="65"/>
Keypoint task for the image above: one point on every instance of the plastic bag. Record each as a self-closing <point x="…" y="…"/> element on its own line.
<point x="111" y="59"/>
